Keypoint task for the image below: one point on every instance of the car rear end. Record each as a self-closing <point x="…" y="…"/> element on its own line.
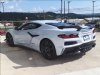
<point x="77" y="40"/>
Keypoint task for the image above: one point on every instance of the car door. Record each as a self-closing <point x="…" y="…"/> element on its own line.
<point x="27" y="32"/>
<point x="21" y="34"/>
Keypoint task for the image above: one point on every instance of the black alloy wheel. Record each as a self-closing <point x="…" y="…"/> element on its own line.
<point x="9" y="39"/>
<point x="48" y="49"/>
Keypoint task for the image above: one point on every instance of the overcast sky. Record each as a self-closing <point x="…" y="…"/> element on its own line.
<point x="76" y="6"/>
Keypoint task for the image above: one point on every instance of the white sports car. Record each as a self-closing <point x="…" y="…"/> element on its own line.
<point x="52" y="38"/>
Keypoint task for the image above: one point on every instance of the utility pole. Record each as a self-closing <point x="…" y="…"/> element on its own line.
<point x="64" y="9"/>
<point x="93" y="11"/>
<point x="61" y="10"/>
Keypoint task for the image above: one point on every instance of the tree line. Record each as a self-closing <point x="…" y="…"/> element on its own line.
<point x="18" y="16"/>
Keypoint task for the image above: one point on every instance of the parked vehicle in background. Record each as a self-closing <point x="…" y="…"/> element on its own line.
<point x="52" y="38"/>
<point x="3" y="28"/>
<point x="90" y="25"/>
<point x="2" y="32"/>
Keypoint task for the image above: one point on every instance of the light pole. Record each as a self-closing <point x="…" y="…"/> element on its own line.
<point x="44" y="15"/>
<point x="2" y="4"/>
<point x="26" y="19"/>
<point x="93" y="11"/>
<point x="68" y="6"/>
<point x="61" y="10"/>
<point x="68" y="9"/>
<point x="64" y="9"/>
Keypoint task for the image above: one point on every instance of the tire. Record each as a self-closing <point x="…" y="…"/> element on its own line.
<point x="9" y="40"/>
<point x="48" y="49"/>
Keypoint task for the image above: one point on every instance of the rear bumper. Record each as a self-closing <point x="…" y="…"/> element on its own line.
<point x="83" y="47"/>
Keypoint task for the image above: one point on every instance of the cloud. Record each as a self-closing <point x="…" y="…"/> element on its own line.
<point x="16" y="4"/>
<point x="37" y="9"/>
<point x="11" y="7"/>
<point x="20" y="10"/>
<point x="53" y="8"/>
<point x="10" y="0"/>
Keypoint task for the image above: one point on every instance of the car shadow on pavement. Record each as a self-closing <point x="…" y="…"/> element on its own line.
<point x="24" y="57"/>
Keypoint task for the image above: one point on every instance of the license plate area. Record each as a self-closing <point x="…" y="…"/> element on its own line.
<point x="86" y="37"/>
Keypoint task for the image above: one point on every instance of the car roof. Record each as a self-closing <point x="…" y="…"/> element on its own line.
<point x="45" y="21"/>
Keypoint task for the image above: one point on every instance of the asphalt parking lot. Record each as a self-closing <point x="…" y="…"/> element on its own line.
<point x="24" y="61"/>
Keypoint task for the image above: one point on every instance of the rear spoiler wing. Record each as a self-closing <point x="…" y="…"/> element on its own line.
<point x="77" y="27"/>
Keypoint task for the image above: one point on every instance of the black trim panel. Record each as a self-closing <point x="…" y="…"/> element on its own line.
<point x="32" y="34"/>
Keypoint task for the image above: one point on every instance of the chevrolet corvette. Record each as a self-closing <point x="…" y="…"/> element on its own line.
<point x="52" y="38"/>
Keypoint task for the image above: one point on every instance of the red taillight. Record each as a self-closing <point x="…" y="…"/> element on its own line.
<point x="94" y="30"/>
<point x="68" y="36"/>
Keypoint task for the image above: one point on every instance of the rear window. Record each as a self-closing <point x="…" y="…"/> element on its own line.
<point x="59" y="24"/>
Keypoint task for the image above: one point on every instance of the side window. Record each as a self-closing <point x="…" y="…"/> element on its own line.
<point x="36" y="25"/>
<point x="31" y="26"/>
